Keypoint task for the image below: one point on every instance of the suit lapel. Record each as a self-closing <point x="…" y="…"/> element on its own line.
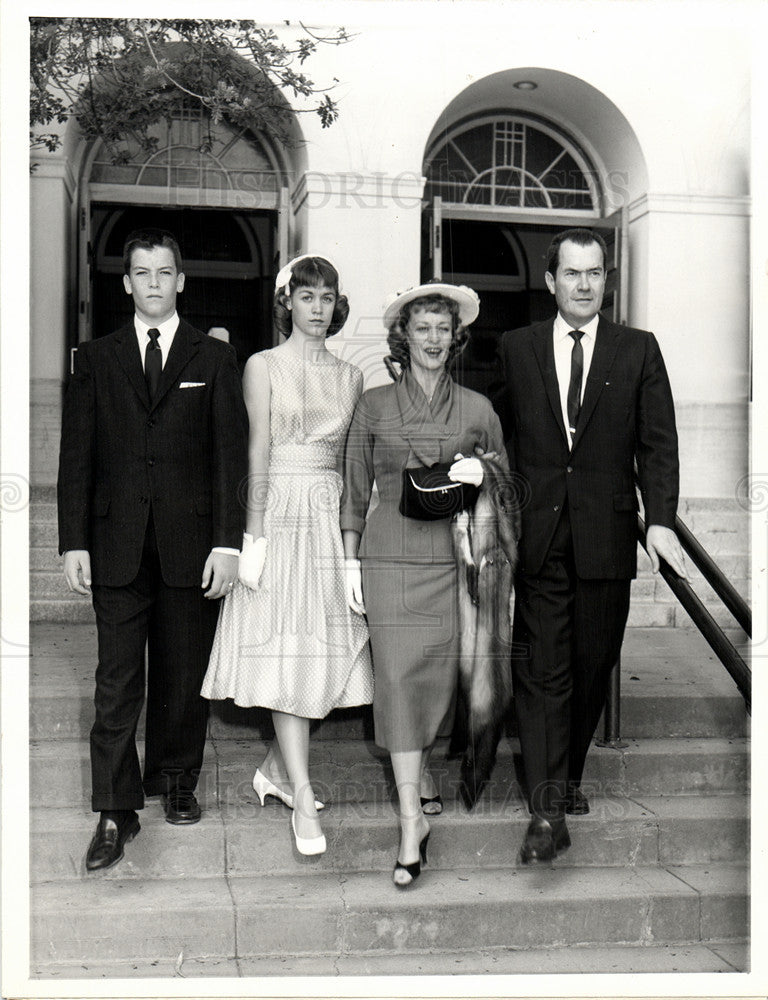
<point x="184" y="347"/>
<point x="129" y="356"/>
<point x="541" y="337"/>
<point x="606" y="345"/>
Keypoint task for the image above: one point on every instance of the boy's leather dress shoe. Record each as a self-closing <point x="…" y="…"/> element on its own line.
<point x="181" y="807"/>
<point x="106" y="847"/>
<point x="543" y="840"/>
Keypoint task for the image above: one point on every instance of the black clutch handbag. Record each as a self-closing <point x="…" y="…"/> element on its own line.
<point x="429" y="495"/>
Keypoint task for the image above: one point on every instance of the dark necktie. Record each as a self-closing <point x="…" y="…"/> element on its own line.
<point x="574" y="386"/>
<point x="153" y="362"/>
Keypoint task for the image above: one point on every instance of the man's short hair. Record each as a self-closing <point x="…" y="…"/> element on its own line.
<point x="581" y="237"/>
<point x="148" y="239"/>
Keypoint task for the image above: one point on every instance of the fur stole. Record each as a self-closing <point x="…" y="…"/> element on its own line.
<point x="485" y="543"/>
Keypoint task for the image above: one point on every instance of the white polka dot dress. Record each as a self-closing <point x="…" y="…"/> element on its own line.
<point x="294" y="645"/>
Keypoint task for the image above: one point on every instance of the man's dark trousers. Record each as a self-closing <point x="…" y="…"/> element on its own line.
<point x="568" y="632"/>
<point x="127" y="618"/>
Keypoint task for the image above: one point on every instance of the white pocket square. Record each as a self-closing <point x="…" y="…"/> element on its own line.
<point x="190" y="385"/>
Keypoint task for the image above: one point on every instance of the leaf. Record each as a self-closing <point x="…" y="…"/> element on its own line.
<point x="121" y="76"/>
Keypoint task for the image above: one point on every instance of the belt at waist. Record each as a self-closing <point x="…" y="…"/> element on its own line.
<point x="298" y="457"/>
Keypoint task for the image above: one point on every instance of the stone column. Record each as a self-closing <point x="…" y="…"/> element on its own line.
<point x="370" y="225"/>
<point x="689" y="272"/>
<point x="52" y="291"/>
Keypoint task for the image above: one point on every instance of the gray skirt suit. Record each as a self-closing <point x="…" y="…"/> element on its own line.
<point x="409" y="572"/>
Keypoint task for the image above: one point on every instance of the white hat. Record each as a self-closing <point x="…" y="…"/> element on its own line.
<point x="283" y="279"/>
<point x="467" y="299"/>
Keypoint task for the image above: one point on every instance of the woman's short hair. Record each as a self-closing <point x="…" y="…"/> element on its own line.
<point x="311" y="272"/>
<point x="397" y="338"/>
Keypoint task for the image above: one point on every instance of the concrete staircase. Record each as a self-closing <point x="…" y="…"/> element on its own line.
<point x="721" y="526"/>
<point x="656" y="879"/>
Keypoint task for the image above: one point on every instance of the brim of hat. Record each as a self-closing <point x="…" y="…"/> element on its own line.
<point x="468" y="304"/>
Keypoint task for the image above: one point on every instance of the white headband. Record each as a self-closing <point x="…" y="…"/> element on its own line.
<point x="283" y="279"/>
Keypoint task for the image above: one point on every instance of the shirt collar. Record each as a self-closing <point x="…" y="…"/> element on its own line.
<point x="562" y="329"/>
<point x="167" y="328"/>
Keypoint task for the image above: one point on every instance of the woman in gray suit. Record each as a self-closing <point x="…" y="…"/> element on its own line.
<point x="403" y="566"/>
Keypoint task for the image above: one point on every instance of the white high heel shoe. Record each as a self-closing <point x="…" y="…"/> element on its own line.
<point x="264" y="787"/>
<point x="307" y="845"/>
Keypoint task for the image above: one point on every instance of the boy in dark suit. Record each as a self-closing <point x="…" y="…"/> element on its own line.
<point x="582" y="399"/>
<point x="153" y="454"/>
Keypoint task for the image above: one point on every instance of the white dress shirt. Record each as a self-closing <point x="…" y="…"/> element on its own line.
<point x="563" y="344"/>
<point x="167" y="331"/>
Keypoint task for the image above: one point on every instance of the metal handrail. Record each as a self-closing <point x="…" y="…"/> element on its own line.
<point x="702" y="619"/>
<point x="709" y="569"/>
<point x="715" y="577"/>
<point x="722" y="646"/>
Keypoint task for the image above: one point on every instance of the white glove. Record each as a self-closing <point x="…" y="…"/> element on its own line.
<point x="353" y="585"/>
<point x="466" y="470"/>
<point x="251" y="561"/>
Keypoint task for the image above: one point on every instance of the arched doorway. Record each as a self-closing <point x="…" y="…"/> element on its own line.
<point x="221" y="192"/>
<point x="228" y="259"/>
<point x="499" y="185"/>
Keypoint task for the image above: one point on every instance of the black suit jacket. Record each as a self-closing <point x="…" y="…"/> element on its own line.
<point x="627" y="413"/>
<point x="184" y="456"/>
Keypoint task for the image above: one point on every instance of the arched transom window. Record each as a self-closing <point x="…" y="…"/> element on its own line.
<point x="191" y="151"/>
<point x="508" y="161"/>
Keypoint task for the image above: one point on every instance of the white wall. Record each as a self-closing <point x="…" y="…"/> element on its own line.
<point x="678" y="72"/>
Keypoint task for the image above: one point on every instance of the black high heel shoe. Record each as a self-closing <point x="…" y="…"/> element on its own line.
<point x="435" y="804"/>
<point x="414" y="869"/>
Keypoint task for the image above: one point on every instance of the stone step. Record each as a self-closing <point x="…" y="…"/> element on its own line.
<point x="653" y="605"/>
<point x="720" y="533"/>
<point x="362" y="914"/>
<point x="349" y="771"/>
<point x="715" y="956"/>
<point x="649" y="592"/>
<point x="672" y="712"/>
<point x="45" y="585"/>
<point x="239" y="838"/>
<point x="709" y="520"/>
<point x="672" y="686"/>
<point x="653" y="588"/>
<point x="735" y="566"/>
<point x="671" y="615"/>
<point x="721" y="615"/>
<point x="43" y="533"/>
<point x="64" y="611"/>
<point x="44" y="558"/>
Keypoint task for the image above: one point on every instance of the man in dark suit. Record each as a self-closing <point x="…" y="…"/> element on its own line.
<point x="582" y="400"/>
<point x="153" y="454"/>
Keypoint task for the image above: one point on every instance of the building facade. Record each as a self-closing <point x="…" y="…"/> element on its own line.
<point x="467" y="136"/>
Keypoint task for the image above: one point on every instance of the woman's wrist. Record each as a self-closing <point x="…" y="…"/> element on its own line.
<point x="252" y="539"/>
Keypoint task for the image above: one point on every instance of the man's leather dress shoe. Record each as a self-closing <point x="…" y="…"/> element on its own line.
<point x="543" y="840"/>
<point x="181" y="808"/>
<point x="106" y="846"/>
<point x="577" y="804"/>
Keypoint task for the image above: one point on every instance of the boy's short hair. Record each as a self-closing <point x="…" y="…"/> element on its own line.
<point x="148" y="239"/>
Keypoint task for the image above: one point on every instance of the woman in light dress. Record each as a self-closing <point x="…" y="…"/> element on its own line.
<point x="286" y="638"/>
